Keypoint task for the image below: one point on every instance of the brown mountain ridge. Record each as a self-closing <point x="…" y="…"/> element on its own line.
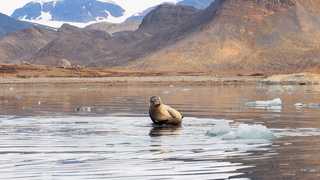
<point x="247" y="37"/>
<point x="230" y="36"/>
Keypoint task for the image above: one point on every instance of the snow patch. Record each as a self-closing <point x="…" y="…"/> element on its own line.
<point x="57" y="24"/>
<point x="46" y="16"/>
<point x="46" y="1"/>
<point x="113" y="19"/>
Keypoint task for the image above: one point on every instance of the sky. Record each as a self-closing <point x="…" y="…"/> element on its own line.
<point x="132" y="6"/>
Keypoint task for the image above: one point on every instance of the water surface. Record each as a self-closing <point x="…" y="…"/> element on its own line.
<point x="103" y="132"/>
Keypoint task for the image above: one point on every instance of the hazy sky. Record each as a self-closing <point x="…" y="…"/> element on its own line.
<point x="8" y="6"/>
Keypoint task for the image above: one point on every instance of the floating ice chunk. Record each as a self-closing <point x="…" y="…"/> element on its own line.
<point x="166" y="92"/>
<point x="314" y="105"/>
<point x="219" y="129"/>
<point x="270" y="103"/>
<point x="186" y="89"/>
<point x="243" y="131"/>
<point x="299" y="105"/>
<point x="310" y="105"/>
<point x="269" y="108"/>
<point x="246" y="131"/>
<point x="299" y="132"/>
<point x="83" y="109"/>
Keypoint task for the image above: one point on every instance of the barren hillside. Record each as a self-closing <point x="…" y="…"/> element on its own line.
<point x="245" y="37"/>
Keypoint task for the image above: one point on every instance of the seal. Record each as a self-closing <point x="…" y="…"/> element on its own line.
<point x="162" y="114"/>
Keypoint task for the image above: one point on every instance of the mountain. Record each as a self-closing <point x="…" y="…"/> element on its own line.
<point x="8" y="25"/>
<point x="79" y="46"/>
<point x="128" y="25"/>
<point x="22" y="45"/>
<point x="199" y="4"/>
<point x="92" y="48"/>
<point x="166" y="18"/>
<point x="244" y="37"/>
<point x="80" y="11"/>
<point x="140" y="15"/>
<point x="228" y="37"/>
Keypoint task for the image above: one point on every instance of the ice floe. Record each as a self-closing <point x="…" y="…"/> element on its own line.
<point x="83" y="109"/>
<point x="310" y="105"/>
<point x="243" y="131"/>
<point x="268" y="103"/>
<point x="226" y="131"/>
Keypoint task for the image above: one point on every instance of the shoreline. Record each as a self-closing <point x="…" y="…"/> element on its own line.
<point x="290" y="79"/>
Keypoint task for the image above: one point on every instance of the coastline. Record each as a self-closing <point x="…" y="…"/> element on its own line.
<point x="288" y="79"/>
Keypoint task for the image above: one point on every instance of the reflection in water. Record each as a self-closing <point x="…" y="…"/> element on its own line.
<point x="99" y="132"/>
<point x="165" y="130"/>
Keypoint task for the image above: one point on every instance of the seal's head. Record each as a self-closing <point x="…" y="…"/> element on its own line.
<point x="155" y="101"/>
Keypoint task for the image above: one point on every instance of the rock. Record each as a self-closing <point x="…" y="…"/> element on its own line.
<point x="64" y="63"/>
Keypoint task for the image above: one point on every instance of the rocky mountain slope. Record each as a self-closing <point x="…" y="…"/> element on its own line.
<point x="20" y="46"/>
<point x="199" y="4"/>
<point x="132" y="23"/>
<point x="247" y="36"/>
<point x="8" y="25"/>
<point x="129" y="25"/>
<point x="85" y="12"/>
<point x="97" y="48"/>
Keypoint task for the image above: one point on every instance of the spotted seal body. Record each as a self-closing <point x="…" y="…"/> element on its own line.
<point x="162" y="114"/>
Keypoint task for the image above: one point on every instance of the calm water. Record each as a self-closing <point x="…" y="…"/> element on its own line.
<point x="100" y="132"/>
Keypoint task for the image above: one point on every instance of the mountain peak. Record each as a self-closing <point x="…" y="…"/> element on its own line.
<point x="9" y="25"/>
<point x="166" y="16"/>
<point x="81" y="11"/>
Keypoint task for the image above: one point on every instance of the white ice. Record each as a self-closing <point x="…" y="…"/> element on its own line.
<point x="310" y="105"/>
<point x="243" y="131"/>
<point x="268" y="103"/>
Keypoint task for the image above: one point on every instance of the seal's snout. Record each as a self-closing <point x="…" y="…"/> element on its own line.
<point x="155" y="100"/>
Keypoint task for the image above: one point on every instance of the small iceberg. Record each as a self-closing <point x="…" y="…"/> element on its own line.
<point x="310" y="105"/>
<point x="243" y="131"/>
<point x="270" y="103"/>
<point x="83" y="109"/>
